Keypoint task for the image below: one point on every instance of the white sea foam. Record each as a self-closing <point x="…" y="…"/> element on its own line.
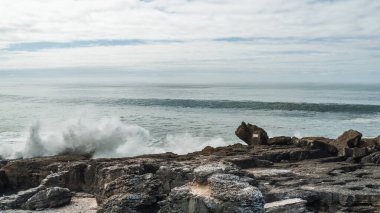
<point x="297" y="134"/>
<point x="107" y="137"/>
<point x="366" y="120"/>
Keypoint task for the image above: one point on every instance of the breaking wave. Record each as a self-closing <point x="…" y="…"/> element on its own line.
<point x="107" y="137"/>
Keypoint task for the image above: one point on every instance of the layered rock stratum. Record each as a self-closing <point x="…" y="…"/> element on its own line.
<point x="280" y="174"/>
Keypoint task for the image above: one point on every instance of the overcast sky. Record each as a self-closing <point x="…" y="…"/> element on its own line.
<point x="241" y="40"/>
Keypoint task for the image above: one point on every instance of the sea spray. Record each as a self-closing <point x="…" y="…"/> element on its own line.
<point x="105" y="137"/>
<point x="85" y="136"/>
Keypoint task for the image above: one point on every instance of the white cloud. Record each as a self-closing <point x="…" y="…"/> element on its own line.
<point x="197" y="23"/>
<point x="63" y="20"/>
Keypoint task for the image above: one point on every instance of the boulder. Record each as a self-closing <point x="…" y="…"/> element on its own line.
<point x="130" y="193"/>
<point x="36" y="198"/>
<point x="355" y="152"/>
<point x="371" y="144"/>
<point x="221" y="193"/>
<point x="252" y="134"/>
<point x="281" y="140"/>
<point x="17" y="200"/>
<point x="349" y="139"/>
<point x="372" y="158"/>
<point x="48" y="198"/>
<point x="236" y="193"/>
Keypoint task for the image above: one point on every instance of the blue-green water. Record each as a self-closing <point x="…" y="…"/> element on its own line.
<point x="173" y="117"/>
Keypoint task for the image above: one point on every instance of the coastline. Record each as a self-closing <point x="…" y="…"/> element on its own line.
<point x="268" y="175"/>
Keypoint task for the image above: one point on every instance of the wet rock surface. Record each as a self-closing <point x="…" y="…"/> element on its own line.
<point x="280" y="174"/>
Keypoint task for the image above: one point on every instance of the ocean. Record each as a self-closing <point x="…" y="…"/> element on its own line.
<point x="128" y="119"/>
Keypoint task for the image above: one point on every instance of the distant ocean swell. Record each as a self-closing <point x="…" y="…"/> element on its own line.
<point x="212" y="104"/>
<point x="252" y="105"/>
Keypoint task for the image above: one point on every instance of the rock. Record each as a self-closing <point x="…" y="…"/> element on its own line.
<point x="28" y="173"/>
<point x="279" y="154"/>
<point x="248" y="161"/>
<point x="132" y="203"/>
<point x="131" y="193"/>
<point x="236" y="194"/>
<point x="171" y="178"/>
<point x="202" y="173"/>
<point x="372" y="158"/>
<point x="294" y="205"/>
<point x="230" y="150"/>
<point x="370" y="142"/>
<point x="48" y="198"/>
<point x="4" y="183"/>
<point x="281" y="140"/>
<point x="211" y="180"/>
<point x="348" y="139"/>
<point x="321" y="143"/>
<point x="221" y="193"/>
<point x="74" y="178"/>
<point x="36" y="198"/>
<point x="252" y="134"/>
<point x="17" y="200"/>
<point x="355" y="152"/>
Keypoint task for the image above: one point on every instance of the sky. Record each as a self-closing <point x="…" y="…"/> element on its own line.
<point x="192" y="40"/>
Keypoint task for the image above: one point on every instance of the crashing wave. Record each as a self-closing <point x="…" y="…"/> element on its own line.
<point x="107" y="137"/>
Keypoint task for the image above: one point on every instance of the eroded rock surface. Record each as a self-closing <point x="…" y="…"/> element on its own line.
<point x="287" y="174"/>
<point x="215" y="189"/>
<point x="49" y="198"/>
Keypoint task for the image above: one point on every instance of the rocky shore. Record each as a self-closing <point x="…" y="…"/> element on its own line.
<point x="280" y="174"/>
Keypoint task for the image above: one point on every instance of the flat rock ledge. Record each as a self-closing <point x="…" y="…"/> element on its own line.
<point x="280" y="174"/>
<point x="286" y="206"/>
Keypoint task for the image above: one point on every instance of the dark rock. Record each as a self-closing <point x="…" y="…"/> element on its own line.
<point x="281" y="140"/>
<point x="248" y="161"/>
<point x="321" y="143"/>
<point x="348" y="139"/>
<point x="17" y="200"/>
<point x="4" y="183"/>
<point x="48" y="198"/>
<point x="73" y="178"/>
<point x="230" y="150"/>
<point x="372" y="158"/>
<point x="131" y="203"/>
<point x="26" y="174"/>
<point x="370" y="142"/>
<point x="355" y="152"/>
<point x="293" y="155"/>
<point x="251" y="134"/>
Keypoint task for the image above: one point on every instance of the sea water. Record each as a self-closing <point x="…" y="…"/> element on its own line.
<point x="128" y="119"/>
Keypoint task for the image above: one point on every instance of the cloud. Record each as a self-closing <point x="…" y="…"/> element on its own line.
<point x="34" y="46"/>
<point x="181" y="35"/>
